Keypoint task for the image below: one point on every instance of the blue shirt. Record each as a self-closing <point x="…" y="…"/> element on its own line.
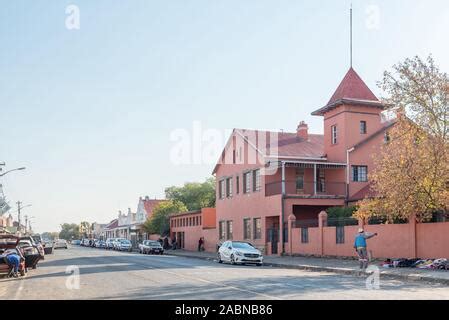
<point x="360" y="241"/>
<point x="13" y="259"/>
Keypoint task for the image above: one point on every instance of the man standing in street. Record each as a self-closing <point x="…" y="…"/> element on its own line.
<point x="361" y="247"/>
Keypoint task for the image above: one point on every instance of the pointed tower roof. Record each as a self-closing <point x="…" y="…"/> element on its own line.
<point x="352" y="90"/>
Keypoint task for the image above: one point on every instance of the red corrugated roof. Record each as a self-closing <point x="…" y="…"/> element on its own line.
<point x="112" y="225"/>
<point x="365" y="192"/>
<point x="352" y="90"/>
<point x="352" y="87"/>
<point x="288" y="143"/>
<point x="150" y="204"/>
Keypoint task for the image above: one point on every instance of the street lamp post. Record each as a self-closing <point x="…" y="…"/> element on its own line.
<point x="28" y="222"/>
<point x="6" y="172"/>
<point x="19" y="208"/>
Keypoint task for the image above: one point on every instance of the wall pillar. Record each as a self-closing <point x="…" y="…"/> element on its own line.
<point x="322" y="222"/>
<point x="413" y="240"/>
<point x="291" y="221"/>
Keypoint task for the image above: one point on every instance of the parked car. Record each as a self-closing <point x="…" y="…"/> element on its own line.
<point x="61" y="244"/>
<point x="239" y="252"/>
<point x="109" y="244"/>
<point x="10" y="243"/>
<point x="151" y="246"/>
<point x="116" y="243"/>
<point x="76" y="242"/>
<point x="124" y="245"/>
<point x="48" y="246"/>
<point x="85" y="242"/>
<point x="32" y="251"/>
<point x="100" y="244"/>
<point x="37" y="239"/>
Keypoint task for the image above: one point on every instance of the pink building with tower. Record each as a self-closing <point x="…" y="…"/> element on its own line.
<point x="265" y="177"/>
<point x="273" y="187"/>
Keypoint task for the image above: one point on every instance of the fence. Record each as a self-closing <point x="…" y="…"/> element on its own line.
<point x="335" y="237"/>
<point x="307" y="188"/>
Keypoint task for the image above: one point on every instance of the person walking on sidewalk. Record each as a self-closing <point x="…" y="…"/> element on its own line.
<point x="200" y="244"/>
<point x="173" y="243"/>
<point x="361" y="247"/>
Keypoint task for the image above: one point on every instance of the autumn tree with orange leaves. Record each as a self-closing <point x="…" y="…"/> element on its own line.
<point x="411" y="174"/>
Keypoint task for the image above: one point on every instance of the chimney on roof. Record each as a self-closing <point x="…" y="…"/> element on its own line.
<point x="147" y="198"/>
<point x="302" y="131"/>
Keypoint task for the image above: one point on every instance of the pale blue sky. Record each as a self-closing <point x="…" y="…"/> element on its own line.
<point x="89" y="112"/>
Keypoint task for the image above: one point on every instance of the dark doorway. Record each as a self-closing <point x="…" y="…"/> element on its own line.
<point x="273" y="237"/>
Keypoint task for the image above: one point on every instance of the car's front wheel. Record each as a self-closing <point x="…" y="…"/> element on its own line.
<point x="219" y="258"/>
<point x="232" y="259"/>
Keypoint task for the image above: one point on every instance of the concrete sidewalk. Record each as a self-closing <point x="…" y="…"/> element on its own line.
<point x="344" y="266"/>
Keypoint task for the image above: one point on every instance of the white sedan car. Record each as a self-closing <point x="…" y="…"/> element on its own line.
<point x="60" y="243"/>
<point x="239" y="252"/>
<point x="124" y="245"/>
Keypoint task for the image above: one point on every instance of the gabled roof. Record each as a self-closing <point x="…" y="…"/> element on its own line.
<point x="365" y="192"/>
<point x="288" y="145"/>
<point x="112" y="225"/>
<point x="386" y="126"/>
<point x="352" y="90"/>
<point x="352" y="87"/>
<point x="150" y="204"/>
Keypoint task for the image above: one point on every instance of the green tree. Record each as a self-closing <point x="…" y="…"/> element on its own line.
<point x="411" y="171"/>
<point x="194" y="195"/>
<point x="158" y="223"/>
<point x="69" y="231"/>
<point x="420" y="89"/>
<point x="50" y="235"/>
<point x="340" y="212"/>
<point x="84" y="228"/>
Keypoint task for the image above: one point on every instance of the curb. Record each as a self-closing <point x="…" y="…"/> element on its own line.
<point x="408" y="277"/>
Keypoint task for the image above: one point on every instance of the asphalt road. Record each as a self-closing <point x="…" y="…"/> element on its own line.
<point x="115" y="275"/>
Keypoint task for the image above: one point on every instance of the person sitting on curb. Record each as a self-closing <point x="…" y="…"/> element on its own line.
<point x="361" y="247"/>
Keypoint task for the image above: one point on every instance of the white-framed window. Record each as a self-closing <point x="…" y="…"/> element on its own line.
<point x="229" y="187"/>
<point x="221" y="189"/>
<point x="359" y="173"/>
<point x="237" y="184"/>
<point x="247" y="182"/>
<point x="229" y="230"/>
<point x="222" y="229"/>
<point x="256" y="180"/>
<point x="247" y="228"/>
<point x="363" y="127"/>
<point x="386" y="137"/>
<point x="334" y="134"/>
<point x="257" y="228"/>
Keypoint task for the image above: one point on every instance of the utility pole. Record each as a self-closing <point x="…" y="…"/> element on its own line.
<point x="26" y="223"/>
<point x="18" y="214"/>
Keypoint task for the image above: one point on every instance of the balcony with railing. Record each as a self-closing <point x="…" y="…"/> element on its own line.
<point x="317" y="189"/>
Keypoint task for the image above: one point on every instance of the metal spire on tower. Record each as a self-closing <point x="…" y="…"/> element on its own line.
<point x="350" y="40"/>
